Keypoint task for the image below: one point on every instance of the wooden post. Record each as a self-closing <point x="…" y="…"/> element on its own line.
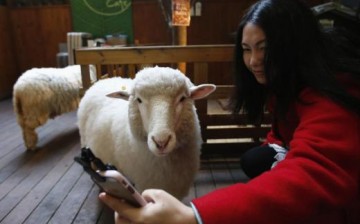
<point x="181" y="19"/>
<point x="182" y="41"/>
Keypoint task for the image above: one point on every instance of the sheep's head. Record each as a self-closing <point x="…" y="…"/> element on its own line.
<point x="161" y="101"/>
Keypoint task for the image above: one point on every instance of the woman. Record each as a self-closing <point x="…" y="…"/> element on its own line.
<point x="284" y="61"/>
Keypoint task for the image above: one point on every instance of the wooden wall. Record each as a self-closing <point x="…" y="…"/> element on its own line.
<point x="218" y="20"/>
<point x="29" y="38"/>
<point x="37" y="32"/>
<point x="8" y="72"/>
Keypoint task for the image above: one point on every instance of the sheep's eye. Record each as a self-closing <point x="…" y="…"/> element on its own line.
<point x="182" y="99"/>
<point x="138" y="100"/>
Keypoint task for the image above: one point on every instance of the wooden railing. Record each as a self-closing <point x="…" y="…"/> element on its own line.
<point x="223" y="133"/>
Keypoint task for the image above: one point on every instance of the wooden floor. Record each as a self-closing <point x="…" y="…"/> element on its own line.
<point x="46" y="186"/>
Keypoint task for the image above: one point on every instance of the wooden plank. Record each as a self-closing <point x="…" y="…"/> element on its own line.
<point x="6" y="114"/>
<point x="154" y="54"/>
<point x="226" y="149"/>
<point x="12" y="162"/>
<point x="204" y="182"/>
<point x="221" y="174"/>
<point x="200" y="76"/>
<point x="14" y="188"/>
<point x="5" y="106"/>
<point x="52" y="201"/>
<point x="70" y="206"/>
<point x="200" y="73"/>
<point x="10" y="140"/>
<point x="13" y="138"/>
<point x="222" y="92"/>
<point x="236" y="132"/>
<point x="62" y="126"/>
<point x="236" y="172"/>
<point x="24" y="172"/>
<point x="232" y="119"/>
<point x="8" y="65"/>
<point x="91" y="209"/>
<point x="24" y="208"/>
<point x="36" y="32"/>
<point x="85" y="77"/>
<point x="98" y="71"/>
<point x="29" y="168"/>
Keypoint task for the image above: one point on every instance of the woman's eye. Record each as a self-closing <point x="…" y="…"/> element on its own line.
<point x="246" y="51"/>
<point x="138" y="100"/>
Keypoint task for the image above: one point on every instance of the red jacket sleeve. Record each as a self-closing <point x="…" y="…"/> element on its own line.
<point x="272" y="139"/>
<point x="319" y="176"/>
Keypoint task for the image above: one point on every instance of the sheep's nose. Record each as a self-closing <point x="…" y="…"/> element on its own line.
<point x="161" y="144"/>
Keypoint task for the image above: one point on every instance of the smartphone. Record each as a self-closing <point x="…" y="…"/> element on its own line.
<point x="109" y="179"/>
<point x="117" y="185"/>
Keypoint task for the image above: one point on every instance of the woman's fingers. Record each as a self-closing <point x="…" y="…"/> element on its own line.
<point x="120" y="220"/>
<point x="125" y="210"/>
<point x="113" y="202"/>
<point x="162" y="208"/>
<point x="154" y="195"/>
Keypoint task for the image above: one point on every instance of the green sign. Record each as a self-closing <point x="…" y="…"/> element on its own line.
<point x="102" y="17"/>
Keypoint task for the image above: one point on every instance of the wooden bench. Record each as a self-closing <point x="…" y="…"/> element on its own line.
<point x="223" y="133"/>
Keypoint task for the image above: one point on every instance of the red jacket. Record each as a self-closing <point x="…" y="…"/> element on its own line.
<point x="317" y="182"/>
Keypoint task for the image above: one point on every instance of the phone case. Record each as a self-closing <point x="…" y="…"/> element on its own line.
<point x="109" y="179"/>
<point x="126" y="191"/>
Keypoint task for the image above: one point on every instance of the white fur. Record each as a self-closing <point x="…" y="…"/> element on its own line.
<point x="43" y="93"/>
<point x="156" y="142"/>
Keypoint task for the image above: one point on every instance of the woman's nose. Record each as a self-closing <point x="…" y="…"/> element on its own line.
<point x="256" y="58"/>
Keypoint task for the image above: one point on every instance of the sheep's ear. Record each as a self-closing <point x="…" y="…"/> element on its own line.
<point x="201" y="91"/>
<point x="119" y="94"/>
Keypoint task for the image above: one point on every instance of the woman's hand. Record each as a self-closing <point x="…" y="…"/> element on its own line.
<point x="162" y="208"/>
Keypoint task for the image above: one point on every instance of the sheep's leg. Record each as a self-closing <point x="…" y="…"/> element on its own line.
<point x="30" y="138"/>
<point x="28" y="132"/>
<point x="28" y="129"/>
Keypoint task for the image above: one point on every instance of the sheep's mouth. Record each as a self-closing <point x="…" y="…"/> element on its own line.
<point x="161" y="154"/>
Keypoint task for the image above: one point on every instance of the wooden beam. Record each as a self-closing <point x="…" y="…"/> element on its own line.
<point x="154" y="54"/>
<point x="182" y="41"/>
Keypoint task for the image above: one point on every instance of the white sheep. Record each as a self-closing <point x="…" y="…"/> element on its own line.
<point x="43" y="93"/>
<point x="152" y="133"/>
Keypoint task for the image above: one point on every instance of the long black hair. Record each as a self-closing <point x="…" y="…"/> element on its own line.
<point x="299" y="54"/>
